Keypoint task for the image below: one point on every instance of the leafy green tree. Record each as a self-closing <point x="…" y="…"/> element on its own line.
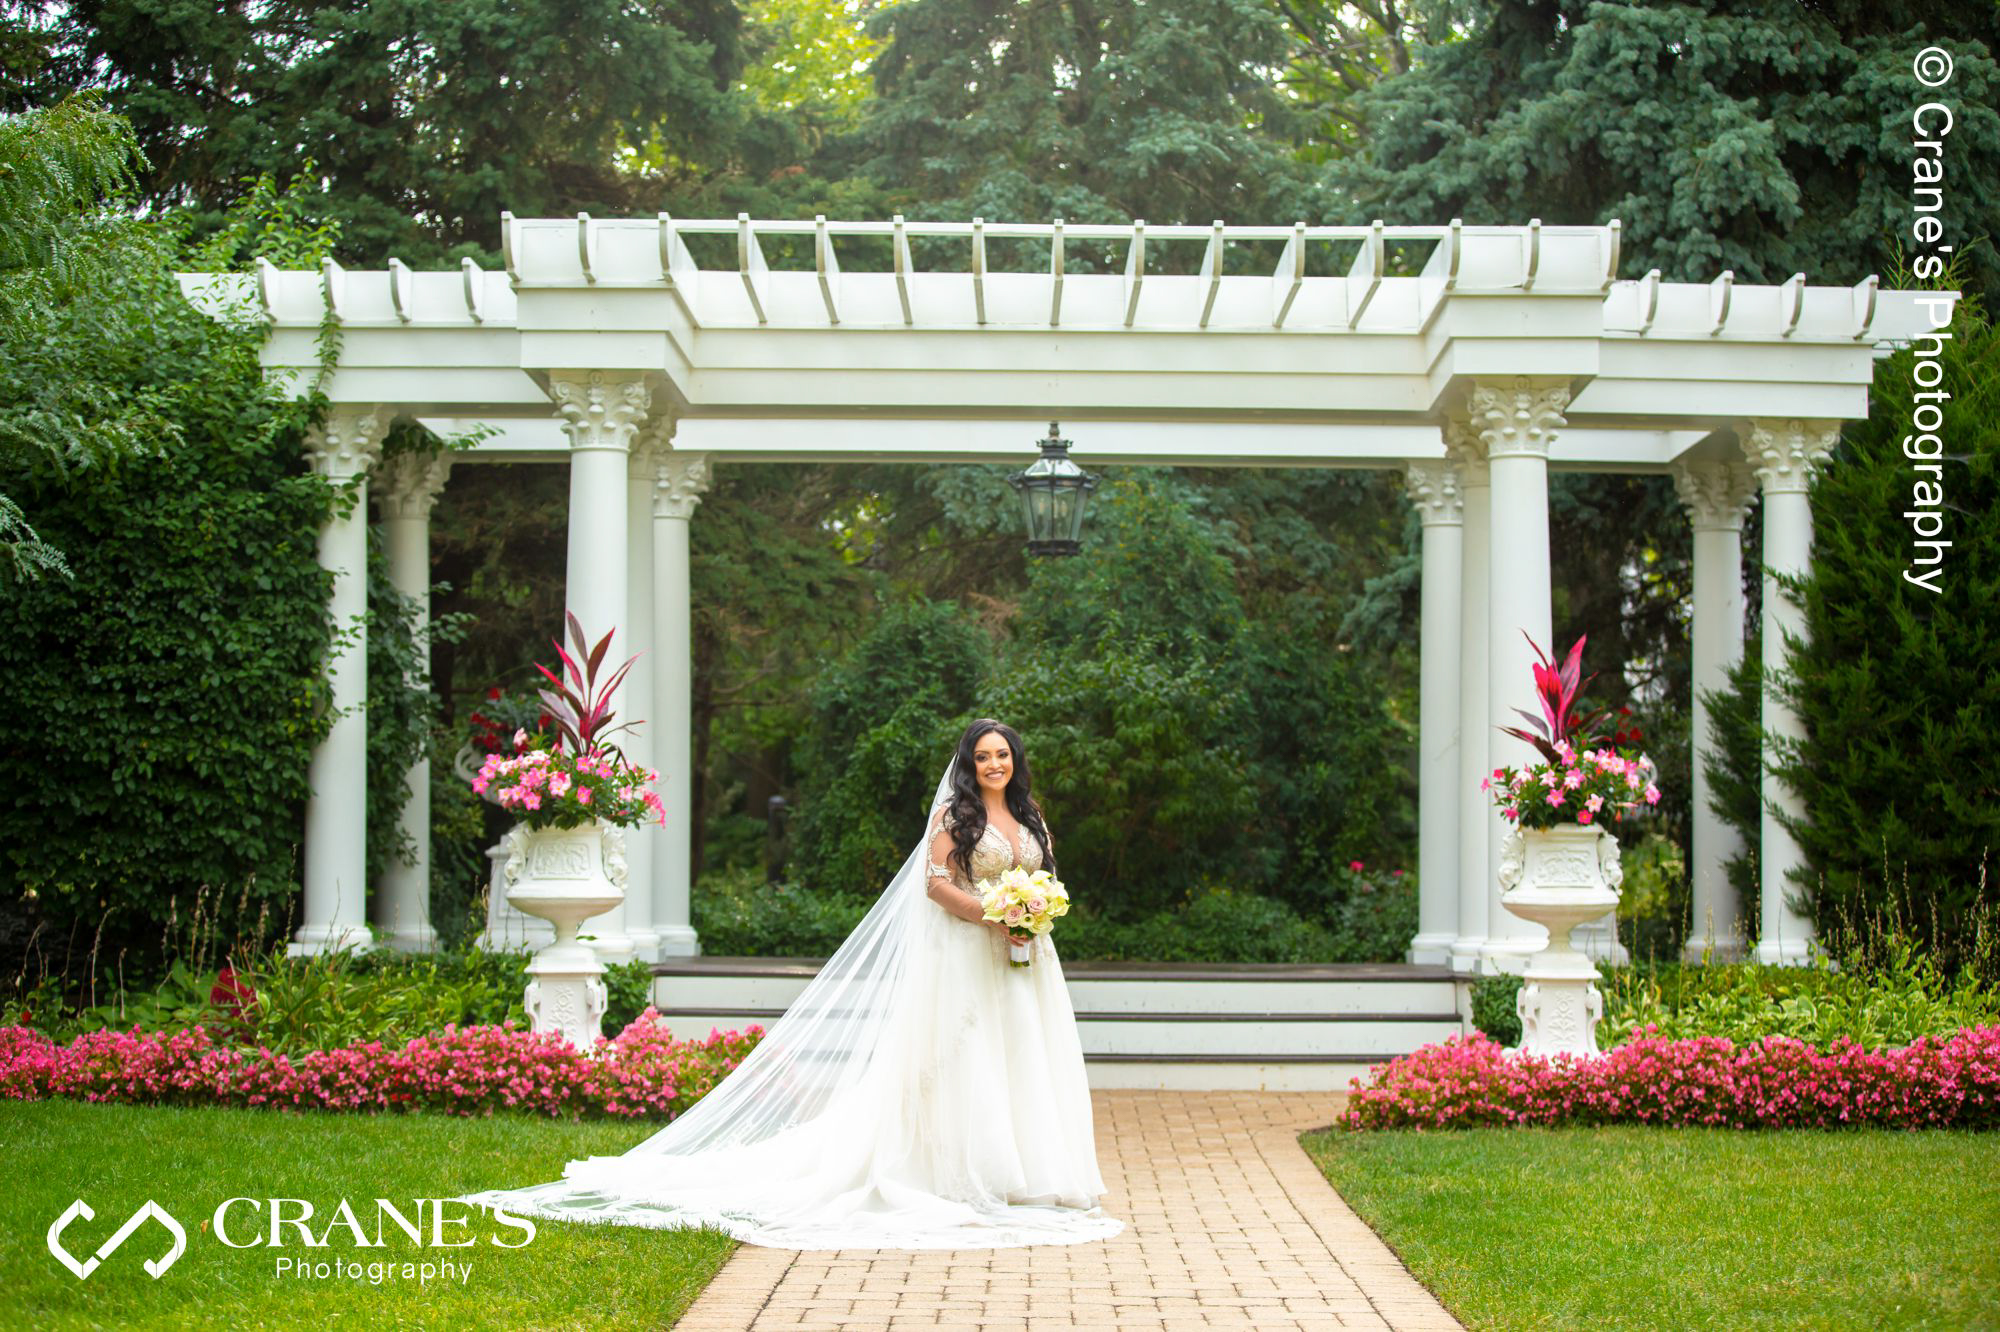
<point x="179" y="662"/>
<point x="884" y="720"/>
<point x="426" y="118"/>
<point x="61" y="242"/>
<point x="1898" y="687"/>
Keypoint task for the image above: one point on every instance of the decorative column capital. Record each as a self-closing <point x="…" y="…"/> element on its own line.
<point x="1517" y="417"/>
<point x="409" y="483"/>
<point x="601" y="410"/>
<point x="653" y="442"/>
<point x="679" y="484"/>
<point x="348" y="443"/>
<point x="1716" y="494"/>
<point x="1465" y="451"/>
<point x="1433" y="488"/>
<point x="1785" y="454"/>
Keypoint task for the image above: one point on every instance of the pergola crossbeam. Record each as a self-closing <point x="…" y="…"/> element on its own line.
<point x="750" y="263"/>
<point x="1056" y="274"/>
<point x="904" y="267"/>
<point x="1289" y="277"/>
<point x="1135" y="271"/>
<point x="828" y="268"/>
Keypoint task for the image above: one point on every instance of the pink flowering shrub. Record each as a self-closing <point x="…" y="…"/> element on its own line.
<point x="1778" y="1082"/>
<point x="642" y="1073"/>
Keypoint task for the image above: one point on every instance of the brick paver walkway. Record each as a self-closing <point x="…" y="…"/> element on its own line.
<point x="1229" y="1224"/>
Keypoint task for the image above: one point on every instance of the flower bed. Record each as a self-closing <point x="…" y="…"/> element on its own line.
<point x="1778" y="1082"/>
<point x="640" y="1073"/>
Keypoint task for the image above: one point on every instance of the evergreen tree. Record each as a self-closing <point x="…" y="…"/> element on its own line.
<point x="1764" y="138"/>
<point x="1166" y="110"/>
<point x="1898" y="686"/>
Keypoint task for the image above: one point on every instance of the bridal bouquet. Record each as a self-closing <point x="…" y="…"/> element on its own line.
<point x="1025" y="901"/>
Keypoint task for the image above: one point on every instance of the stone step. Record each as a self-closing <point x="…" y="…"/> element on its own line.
<point x="1364" y="1036"/>
<point x="1272" y="1027"/>
<point x="1110" y="987"/>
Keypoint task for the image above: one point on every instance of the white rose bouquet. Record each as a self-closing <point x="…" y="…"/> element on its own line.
<point x="1025" y="901"/>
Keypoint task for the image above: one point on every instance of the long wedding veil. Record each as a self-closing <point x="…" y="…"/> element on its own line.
<point x="836" y="1029"/>
<point x="844" y="1027"/>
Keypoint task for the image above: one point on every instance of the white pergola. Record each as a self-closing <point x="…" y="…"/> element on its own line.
<point x="1472" y="360"/>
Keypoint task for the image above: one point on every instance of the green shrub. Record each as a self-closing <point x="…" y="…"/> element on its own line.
<point x="327" y="1000"/>
<point x="1493" y="1007"/>
<point x="738" y="914"/>
<point x="1895" y="684"/>
<point x="1218" y="926"/>
<point x="884" y="720"/>
<point x="1886" y="988"/>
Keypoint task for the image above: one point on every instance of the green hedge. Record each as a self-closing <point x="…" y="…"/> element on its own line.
<point x="736" y="914"/>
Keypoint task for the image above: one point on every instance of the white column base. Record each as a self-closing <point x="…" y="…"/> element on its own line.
<point x="1598" y="941"/>
<point x="612" y="949"/>
<point x="312" y="940"/>
<point x="1509" y="955"/>
<point x="1785" y="952"/>
<point x="421" y="939"/>
<point x="1465" y="955"/>
<point x="1431" y="950"/>
<point x="678" y="941"/>
<point x="508" y="928"/>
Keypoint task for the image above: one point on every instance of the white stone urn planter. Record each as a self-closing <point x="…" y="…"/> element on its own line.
<point x="1559" y="878"/>
<point x="565" y="876"/>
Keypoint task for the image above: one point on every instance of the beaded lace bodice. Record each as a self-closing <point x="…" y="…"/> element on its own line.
<point x="991" y="855"/>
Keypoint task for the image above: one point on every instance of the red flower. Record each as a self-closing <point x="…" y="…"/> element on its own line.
<point x="494" y="692"/>
<point x="1355" y="865"/>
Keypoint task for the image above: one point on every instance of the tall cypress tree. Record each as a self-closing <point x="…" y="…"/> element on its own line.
<point x="1898" y="685"/>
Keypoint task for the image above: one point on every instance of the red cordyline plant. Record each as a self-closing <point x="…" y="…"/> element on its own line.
<point x="1583" y="780"/>
<point x="549" y="786"/>
<point x="1557" y="690"/>
<point x="580" y="716"/>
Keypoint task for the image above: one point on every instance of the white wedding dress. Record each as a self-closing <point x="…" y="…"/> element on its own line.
<point x="919" y="1094"/>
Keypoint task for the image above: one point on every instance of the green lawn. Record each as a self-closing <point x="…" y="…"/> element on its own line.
<point x="1612" y="1228"/>
<point x="188" y="1161"/>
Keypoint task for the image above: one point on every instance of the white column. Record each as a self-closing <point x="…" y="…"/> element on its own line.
<point x="1784" y="454"/>
<point x="681" y="480"/>
<point x="636" y="695"/>
<point x="409" y="485"/>
<point x="1716" y="495"/>
<point x="601" y="413"/>
<point x="336" y="853"/>
<point x="1475" y="810"/>
<point x="1433" y="488"/>
<point x="1515" y="421"/>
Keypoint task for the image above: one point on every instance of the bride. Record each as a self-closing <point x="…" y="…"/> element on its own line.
<point x="919" y="1094"/>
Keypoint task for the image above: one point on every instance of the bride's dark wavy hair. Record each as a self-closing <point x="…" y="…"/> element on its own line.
<point x="968" y="806"/>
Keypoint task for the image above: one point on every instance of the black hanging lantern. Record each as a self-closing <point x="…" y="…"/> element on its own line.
<point x="1053" y="490"/>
